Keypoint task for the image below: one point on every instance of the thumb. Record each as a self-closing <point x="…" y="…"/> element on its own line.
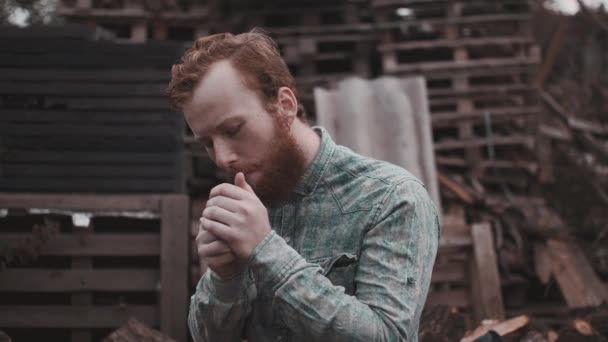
<point x="239" y="180"/>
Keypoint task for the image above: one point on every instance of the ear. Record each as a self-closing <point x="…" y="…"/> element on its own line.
<point x="288" y="104"/>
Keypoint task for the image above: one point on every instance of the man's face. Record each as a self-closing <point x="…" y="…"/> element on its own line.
<point x="239" y="133"/>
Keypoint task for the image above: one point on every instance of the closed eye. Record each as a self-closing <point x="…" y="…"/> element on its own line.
<point x="232" y="132"/>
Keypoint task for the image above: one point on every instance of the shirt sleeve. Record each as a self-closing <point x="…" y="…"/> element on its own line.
<point x="392" y="278"/>
<point x="218" y="309"/>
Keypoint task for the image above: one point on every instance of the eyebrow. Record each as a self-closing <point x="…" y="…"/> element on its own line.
<point x="222" y="125"/>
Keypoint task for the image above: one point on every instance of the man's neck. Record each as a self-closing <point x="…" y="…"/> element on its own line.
<point x="308" y="140"/>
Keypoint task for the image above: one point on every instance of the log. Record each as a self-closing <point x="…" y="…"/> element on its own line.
<point x="501" y="328"/>
<point x="136" y="331"/>
<point x="579" y="331"/>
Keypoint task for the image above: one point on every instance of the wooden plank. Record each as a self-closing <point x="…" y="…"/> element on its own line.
<point x="445" y="119"/>
<point x="68" y="31"/>
<point x="487" y="267"/>
<point x="91" y="185"/>
<point x="144" y="244"/>
<point x="154" y="104"/>
<point x="463" y="65"/>
<point x="577" y="280"/>
<point x="75" y="280"/>
<point x="80" y="265"/>
<point x="527" y="141"/>
<point x="34" y="316"/>
<point x="494" y="19"/>
<point x="458" y="298"/>
<point x="450" y="273"/>
<point x="175" y="237"/>
<point x="452" y="43"/>
<point x="452" y="238"/>
<point x="542" y="263"/>
<point x="93" y="203"/>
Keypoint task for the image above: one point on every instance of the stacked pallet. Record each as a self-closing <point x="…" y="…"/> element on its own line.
<point x="80" y="266"/>
<point x="478" y="58"/>
<point x="78" y="115"/>
<point x="138" y="21"/>
<point x="322" y="42"/>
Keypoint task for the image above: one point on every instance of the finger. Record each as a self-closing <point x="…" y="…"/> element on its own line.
<point x="221" y="215"/>
<point x="213" y="248"/>
<point x="230" y="191"/>
<point x="241" y="182"/>
<point x="220" y="260"/>
<point x="220" y="230"/>
<point x="227" y="203"/>
<point x="204" y="236"/>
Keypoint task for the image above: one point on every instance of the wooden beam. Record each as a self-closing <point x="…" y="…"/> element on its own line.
<point x="51" y="316"/>
<point x="43" y="280"/>
<point x="484" y="252"/>
<point x="81" y="202"/>
<point x="175" y="237"/>
<point x="450" y="273"/>
<point x="147" y="244"/>
<point x="459" y="298"/>
<point x="577" y="280"/>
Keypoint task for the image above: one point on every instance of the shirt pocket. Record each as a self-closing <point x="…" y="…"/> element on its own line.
<point x="340" y="269"/>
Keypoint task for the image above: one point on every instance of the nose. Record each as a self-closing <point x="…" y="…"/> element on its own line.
<point x="223" y="156"/>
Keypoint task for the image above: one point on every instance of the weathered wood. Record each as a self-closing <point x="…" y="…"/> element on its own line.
<point x="48" y="316"/>
<point x="175" y="237"/>
<point x="501" y="328"/>
<point x="577" y="280"/>
<point x="452" y="43"/>
<point x="450" y="273"/>
<point x="484" y="252"/>
<point x="542" y="263"/>
<point x="73" y="280"/>
<point x="458" y="298"/>
<point x="124" y="244"/>
<point x="86" y="202"/>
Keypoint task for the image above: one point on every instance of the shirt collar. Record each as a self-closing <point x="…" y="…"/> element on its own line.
<point x="314" y="172"/>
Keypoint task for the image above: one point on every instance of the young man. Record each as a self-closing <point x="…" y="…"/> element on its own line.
<point x="312" y="242"/>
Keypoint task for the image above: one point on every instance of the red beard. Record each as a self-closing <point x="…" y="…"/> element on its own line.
<point x="280" y="170"/>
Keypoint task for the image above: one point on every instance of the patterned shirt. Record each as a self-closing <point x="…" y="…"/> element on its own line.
<point x="349" y="258"/>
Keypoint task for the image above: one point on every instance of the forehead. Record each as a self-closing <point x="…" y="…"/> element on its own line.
<point x="219" y="95"/>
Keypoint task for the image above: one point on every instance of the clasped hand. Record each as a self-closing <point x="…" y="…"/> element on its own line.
<point x="233" y="223"/>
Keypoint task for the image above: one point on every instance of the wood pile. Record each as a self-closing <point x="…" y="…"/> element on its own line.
<point x="551" y="241"/>
<point x="92" y="263"/>
<point x="478" y="58"/>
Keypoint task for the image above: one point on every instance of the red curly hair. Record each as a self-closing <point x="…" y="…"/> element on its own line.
<point x="254" y="54"/>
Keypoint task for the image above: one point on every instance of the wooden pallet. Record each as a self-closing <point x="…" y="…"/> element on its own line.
<point x="425" y="10"/>
<point x="138" y="22"/>
<point x="87" y="281"/>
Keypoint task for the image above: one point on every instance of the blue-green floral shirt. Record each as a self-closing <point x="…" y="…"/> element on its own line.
<point x="349" y="258"/>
